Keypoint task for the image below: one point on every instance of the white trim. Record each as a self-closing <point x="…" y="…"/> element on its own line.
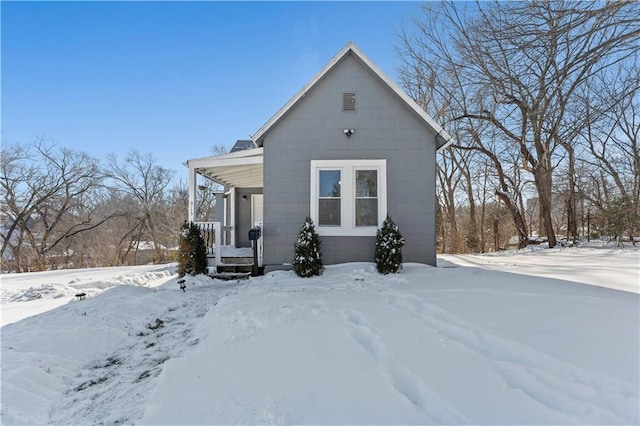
<point x="232" y="214"/>
<point x="348" y="170"/>
<point x="204" y="163"/>
<point x="217" y="229"/>
<point x="241" y="169"/>
<point x="255" y="197"/>
<point x="238" y="154"/>
<point x="349" y="49"/>
<point x="192" y="194"/>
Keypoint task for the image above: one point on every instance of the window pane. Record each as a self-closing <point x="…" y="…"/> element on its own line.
<point x="329" y="212"/>
<point x="329" y="183"/>
<point x="366" y="183"/>
<point x="367" y="212"/>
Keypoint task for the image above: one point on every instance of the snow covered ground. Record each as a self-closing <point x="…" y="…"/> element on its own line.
<point x="47" y="290"/>
<point x="600" y="266"/>
<point x="513" y="338"/>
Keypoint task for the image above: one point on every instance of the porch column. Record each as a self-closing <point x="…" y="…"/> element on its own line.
<point x="232" y="215"/>
<point x="192" y="194"/>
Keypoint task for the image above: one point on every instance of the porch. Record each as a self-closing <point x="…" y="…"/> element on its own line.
<point x="238" y="207"/>
<point x="225" y="261"/>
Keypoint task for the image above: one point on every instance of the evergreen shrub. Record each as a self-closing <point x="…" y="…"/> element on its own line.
<point x="307" y="259"/>
<point x="192" y="251"/>
<point x="389" y="242"/>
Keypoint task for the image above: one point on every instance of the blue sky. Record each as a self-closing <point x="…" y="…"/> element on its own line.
<point x="172" y="78"/>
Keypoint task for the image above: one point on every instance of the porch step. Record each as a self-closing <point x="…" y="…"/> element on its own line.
<point x="237" y="260"/>
<point x="228" y="276"/>
<point x="234" y="267"/>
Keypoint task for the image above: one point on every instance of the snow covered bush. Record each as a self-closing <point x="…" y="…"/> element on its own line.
<point x="307" y="259"/>
<point x="192" y="252"/>
<point x="389" y="242"/>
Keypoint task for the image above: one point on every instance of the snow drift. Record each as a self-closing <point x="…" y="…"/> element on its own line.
<point x="446" y="345"/>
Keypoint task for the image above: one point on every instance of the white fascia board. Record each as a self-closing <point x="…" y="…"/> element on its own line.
<point x="209" y="162"/>
<point x="238" y="154"/>
<point x="445" y="145"/>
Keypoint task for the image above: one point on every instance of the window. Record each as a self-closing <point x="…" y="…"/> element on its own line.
<point x="366" y="198"/>
<point x="329" y="198"/>
<point x="349" y="101"/>
<point x="348" y="197"/>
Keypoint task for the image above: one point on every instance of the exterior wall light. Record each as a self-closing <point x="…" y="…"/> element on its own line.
<point x="349" y="132"/>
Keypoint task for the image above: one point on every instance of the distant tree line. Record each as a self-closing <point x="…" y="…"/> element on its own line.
<point x="541" y="98"/>
<point x="64" y="208"/>
<point x="542" y="101"/>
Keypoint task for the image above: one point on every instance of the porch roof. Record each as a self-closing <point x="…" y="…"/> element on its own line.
<point x="240" y="169"/>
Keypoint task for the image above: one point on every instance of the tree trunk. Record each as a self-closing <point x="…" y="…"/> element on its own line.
<point x="518" y="220"/>
<point x="543" y="185"/>
<point x="453" y="223"/>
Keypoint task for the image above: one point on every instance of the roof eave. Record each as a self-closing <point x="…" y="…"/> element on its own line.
<point x="447" y="141"/>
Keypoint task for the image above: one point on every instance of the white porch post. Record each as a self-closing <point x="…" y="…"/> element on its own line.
<point x="232" y="214"/>
<point x="217" y="229"/>
<point x="192" y="194"/>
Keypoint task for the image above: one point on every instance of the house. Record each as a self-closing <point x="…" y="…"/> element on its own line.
<point x="347" y="149"/>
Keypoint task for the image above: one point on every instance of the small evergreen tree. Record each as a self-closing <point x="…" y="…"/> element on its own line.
<point x="389" y="244"/>
<point x="192" y="251"/>
<point x="307" y="259"/>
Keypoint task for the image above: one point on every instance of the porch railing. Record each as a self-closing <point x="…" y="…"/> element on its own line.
<point x="213" y="240"/>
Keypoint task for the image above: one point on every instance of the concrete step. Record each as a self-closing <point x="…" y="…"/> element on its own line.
<point x="237" y="260"/>
<point x="234" y="267"/>
<point x="228" y="276"/>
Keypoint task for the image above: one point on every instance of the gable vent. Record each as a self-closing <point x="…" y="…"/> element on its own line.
<point x="349" y="101"/>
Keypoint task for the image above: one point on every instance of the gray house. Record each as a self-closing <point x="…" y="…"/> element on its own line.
<point x="347" y="149"/>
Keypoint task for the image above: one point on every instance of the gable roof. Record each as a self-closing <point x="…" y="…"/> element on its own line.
<point x="243" y="144"/>
<point x="443" y="138"/>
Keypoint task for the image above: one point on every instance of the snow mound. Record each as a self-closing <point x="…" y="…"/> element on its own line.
<point x="501" y="342"/>
<point x="22" y="295"/>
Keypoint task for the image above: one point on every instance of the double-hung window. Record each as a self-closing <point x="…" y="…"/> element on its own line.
<point x="329" y="199"/>
<point x="348" y="197"/>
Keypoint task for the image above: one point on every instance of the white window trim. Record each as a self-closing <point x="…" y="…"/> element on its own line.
<point x="347" y="195"/>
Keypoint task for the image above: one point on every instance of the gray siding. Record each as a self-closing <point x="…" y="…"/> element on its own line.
<point x="243" y="215"/>
<point x="385" y="129"/>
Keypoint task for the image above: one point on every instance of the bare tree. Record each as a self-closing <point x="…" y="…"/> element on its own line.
<point x="448" y="182"/>
<point x="611" y="137"/>
<point x="50" y="196"/>
<point x="431" y="75"/>
<point x="518" y="66"/>
<point x="141" y="179"/>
